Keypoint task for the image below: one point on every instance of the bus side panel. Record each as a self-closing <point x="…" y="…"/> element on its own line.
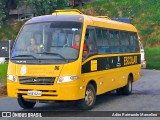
<point x="136" y="71"/>
<point x="123" y="73"/>
<point x="109" y="72"/>
<point x="103" y="80"/>
<point x="108" y="80"/>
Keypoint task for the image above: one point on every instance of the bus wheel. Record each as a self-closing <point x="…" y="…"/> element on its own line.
<point x="126" y="90"/>
<point x="25" y="104"/>
<point x="90" y="97"/>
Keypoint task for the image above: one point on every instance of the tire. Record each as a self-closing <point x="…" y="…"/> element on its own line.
<point x="126" y="90"/>
<point x="25" y="104"/>
<point x="90" y="97"/>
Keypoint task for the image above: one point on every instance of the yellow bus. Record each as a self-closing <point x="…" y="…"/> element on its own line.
<point x="69" y="56"/>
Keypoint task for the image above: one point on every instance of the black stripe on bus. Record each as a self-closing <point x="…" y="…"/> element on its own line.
<point x="105" y="63"/>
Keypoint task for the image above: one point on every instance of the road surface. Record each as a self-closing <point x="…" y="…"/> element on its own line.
<point x="145" y="97"/>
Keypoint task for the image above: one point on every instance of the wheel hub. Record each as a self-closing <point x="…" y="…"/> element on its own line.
<point x="89" y="98"/>
<point x="130" y="86"/>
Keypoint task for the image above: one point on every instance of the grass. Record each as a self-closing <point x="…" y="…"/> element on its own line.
<point x="3" y="72"/>
<point x="153" y="58"/>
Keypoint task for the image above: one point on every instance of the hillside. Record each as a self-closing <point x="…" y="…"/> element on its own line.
<point x="10" y="29"/>
<point x="144" y="14"/>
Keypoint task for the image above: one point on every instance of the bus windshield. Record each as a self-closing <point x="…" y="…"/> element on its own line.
<point x="47" y="41"/>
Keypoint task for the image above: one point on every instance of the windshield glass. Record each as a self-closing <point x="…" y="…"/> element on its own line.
<point x="48" y="41"/>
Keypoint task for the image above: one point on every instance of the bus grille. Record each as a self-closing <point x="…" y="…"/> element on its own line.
<point x="37" y="80"/>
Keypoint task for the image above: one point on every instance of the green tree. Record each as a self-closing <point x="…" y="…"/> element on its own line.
<point x="42" y="7"/>
<point x="2" y="11"/>
<point x="61" y="4"/>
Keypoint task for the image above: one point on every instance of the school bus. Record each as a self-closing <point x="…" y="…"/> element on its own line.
<point x="44" y="66"/>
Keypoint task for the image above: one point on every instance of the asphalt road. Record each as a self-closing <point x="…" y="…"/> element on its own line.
<point x="145" y="97"/>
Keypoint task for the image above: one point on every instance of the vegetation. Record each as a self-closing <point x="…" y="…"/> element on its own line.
<point x="144" y="14"/>
<point x="3" y="72"/>
<point x="9" y="28"/>
<point x="42" y="7"/>
<point x="153" y="58"/>
<point x="2" y="11"/>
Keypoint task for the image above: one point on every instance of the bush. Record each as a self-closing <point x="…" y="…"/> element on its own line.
<point x="3" y="72"/>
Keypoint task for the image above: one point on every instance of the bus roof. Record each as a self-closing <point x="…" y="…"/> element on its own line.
<point x="67" y="11"/>
<point x="112" y="24"/>
<point x="77" y="16"/>
<point x="50" y="18"/>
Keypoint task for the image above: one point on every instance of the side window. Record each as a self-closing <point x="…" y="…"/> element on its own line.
<point x="105" y="38"/>
<point x="99" y="37"/>
<point x="114" y="41"/>
<point x="134" y="44"/>
<point x="102" y="40"/>
<point x="124" y="41"/>
<point x="90" y="40"/>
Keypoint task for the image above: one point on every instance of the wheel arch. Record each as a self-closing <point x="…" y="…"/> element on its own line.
<point x="93" y="82"/>
<point x="131" y="75"/>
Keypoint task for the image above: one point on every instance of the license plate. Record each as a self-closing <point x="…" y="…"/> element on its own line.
<point x="35" y="93"/>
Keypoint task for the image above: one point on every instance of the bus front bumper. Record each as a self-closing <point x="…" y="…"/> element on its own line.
<point x="53" y="92"/>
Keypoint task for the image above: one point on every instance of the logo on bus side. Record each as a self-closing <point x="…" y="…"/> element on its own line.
<point x="130" y="60"/>
<point x="119" y="62"/>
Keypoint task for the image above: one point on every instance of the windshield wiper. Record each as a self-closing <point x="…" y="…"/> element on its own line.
<point x="57" y="54"/>
<point x="25" y="56"/>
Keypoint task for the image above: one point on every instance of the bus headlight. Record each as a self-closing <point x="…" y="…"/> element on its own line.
<point x="11" y="78"/>
<point x="63" y="79"/>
